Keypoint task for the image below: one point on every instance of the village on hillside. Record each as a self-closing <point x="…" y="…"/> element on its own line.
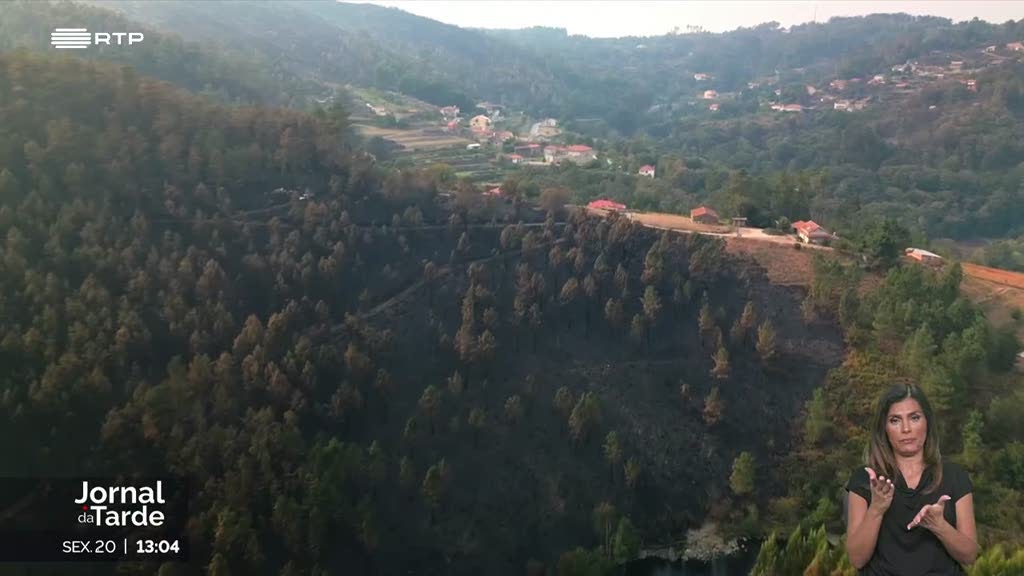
<point x="489" y="142"/>
<point x="858" y="93"/>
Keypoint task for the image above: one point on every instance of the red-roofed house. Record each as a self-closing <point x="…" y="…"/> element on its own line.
<point x="704" y="215"/>
<point x="606" y="205"/>
<point x="493" y="192"/>
<point x="709" y="95"/>
<point x="646" y="170"/>
<point x="1015" y="46"/>
<point x="810" y="232"/>
<point x="577" y="153"/>
<point x="503" y="136"/>
<point x="581" y="154"/>
<point x="924" y="256"/>
<point x="515" y="158"/>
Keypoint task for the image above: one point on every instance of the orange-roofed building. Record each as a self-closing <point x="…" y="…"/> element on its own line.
<point x="704" y="215"/>
<point x="606" y="205"/>
<point x="811" y="232"/>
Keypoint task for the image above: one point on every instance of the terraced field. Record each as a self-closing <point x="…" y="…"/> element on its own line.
<point x="414" y="138"/>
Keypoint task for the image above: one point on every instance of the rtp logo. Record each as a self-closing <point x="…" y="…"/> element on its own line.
<point x="79" y="38"/>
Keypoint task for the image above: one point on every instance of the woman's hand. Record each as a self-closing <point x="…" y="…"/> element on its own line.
<point x="882" y="490"/>
<point x="931" y="515"/>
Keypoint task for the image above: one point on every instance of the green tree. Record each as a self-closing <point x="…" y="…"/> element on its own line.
<point x="564" y="401"/>
<point x="817" y="424"/>
<point x="743" y="470"/>
<point x="613" y="451"/>
<point x="513" y="409"/>
<point x="882" y="242"/>
<point x="581" y="562"/>
<point x="721" y="369"/>
<point x="713" y="407"/>
<point x="766" y="347"/>
<point x="651" y="304"/>
<point x="604" y="522"/>
<point x="632" y="473"/>
<point x="430" y="404"/>
<point x="706" y="319"/>
<point x="218" y="566"/>
<point x="919" y="351"/>
<point x="585" y="416"/>
<point x="626" y="544"/>
<point x="972" y="440"/>
<point x="434" y="483"/>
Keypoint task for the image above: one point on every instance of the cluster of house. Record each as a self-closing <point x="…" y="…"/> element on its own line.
<point x="534" y="153"/>
<point x="378" y="110"/>
<point x="850" y="105"/>
<point x="904" y="78"/>
<point x="787" y="107"/>
<point x="810" y="232"/>
<point x="576" y="153"/>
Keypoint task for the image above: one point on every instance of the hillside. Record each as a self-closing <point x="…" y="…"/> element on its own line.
<point x="190" y="315"/>
<point x="370" y="46"/>
<point x="233" y="75"/>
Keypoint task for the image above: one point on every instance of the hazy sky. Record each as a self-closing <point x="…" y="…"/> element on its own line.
<point x="615" y="18"/>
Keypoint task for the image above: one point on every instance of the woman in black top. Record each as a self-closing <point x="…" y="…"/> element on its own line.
<point x="909" y="513"/>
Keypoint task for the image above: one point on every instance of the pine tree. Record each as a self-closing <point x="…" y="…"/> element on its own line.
<point x="585" y="415"/>
<point x="613" y="451"/>
<point x="713" y="407"/>
<point x="564" y="401"/>
<point x="721" y="369"/>
<point x="766" y="347"/>
<point x="632" y="473"/>
<point x="513" y="409"/>
<point x="706" y="319"/>
<point x="430" y="404"/>
<point x="743" y="471"/>
<point x="478" y="420"/>
<point x="626" y="544"/>
<point x="651" y="304"/>
<point x="972" y="440"/>
<point x="817" y="424"/>
<point x="604" y="520"/>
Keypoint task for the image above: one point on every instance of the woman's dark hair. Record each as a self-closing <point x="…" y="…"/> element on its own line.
<point x="879" y="454"/>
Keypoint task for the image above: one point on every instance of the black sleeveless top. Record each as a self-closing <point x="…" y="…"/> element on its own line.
<point x="916" y="552"/>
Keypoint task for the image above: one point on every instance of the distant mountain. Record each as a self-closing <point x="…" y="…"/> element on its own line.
<point x="369" y="45"/>
<point x="234" y="75"/>
<point x="545" y="71"/>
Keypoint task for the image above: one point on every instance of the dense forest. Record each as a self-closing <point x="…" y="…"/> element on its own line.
<point x="159" y="315"/>
<point x="379" y="370"/>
